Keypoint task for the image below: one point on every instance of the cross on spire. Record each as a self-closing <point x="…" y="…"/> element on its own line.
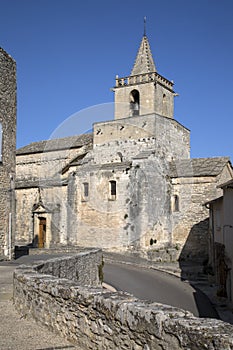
<point x="144" y="33"/>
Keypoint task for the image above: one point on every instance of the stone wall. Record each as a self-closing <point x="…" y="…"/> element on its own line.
<point x="190" y="224"/>
<point x="95" y="318"/>
<point x="45" y="164"/>
<point x="39" y="178"/>
<point x="100" y="218"/>
<point x="154" y="97"/>
<point x="130" y="136"/>
<point x="83" y="268"/>
<point x="7" y="152"/>
<point x="142" y="204"/>
<point x="48" y="202"/>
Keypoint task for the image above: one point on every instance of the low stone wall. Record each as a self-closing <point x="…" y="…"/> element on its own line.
<point x="84" y="268"/>
<point x="95" y="318"/>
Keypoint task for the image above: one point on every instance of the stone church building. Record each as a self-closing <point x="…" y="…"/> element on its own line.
<point x="128" y="185"/>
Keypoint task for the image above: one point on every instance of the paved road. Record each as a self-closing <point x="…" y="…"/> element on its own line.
<point x="17" y="333"/>
<point x="159" y="287"/>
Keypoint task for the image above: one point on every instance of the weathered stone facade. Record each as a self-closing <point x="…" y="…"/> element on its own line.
<point x="95" y="318"/>
<point x="7" y="152"/>
<point x="130" y="185"/>
<point x="41" y="189"/>
<point x="221" y="240"/>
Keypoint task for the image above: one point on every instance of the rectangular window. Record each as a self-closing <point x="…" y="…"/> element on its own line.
<point x="85" y="191"/>
<point x="112" y="190"/>
<point x="0" y="142"/>
<point x="176" y="203"/>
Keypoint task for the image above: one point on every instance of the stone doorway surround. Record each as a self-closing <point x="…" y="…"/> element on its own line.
<point x="41" y="227"/>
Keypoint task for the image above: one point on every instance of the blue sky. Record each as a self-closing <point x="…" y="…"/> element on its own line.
<point x="69" y="51"/>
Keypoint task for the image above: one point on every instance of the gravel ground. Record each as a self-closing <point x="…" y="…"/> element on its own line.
<point x="17" y="333"/>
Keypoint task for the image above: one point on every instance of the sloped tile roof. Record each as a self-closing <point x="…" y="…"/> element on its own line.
<point x="198" y="167"/>
<point x="56" y="144"/>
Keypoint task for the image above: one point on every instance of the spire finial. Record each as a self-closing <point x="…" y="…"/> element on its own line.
<point x="144" y="26"/>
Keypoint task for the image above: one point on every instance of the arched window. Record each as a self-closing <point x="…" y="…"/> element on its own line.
<point x="165" y="105"/>
<point x="134" y="98"/>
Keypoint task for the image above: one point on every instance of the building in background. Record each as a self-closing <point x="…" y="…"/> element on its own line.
<point x="129" y="185"/>
<point x="221" y="240"/>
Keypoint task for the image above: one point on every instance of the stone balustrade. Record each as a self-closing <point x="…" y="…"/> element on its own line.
<point x="64" y="296"/>
<point x="143" y="78"/>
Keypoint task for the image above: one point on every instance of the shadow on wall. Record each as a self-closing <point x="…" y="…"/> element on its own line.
<point x="21" y="251"/>
<point x="204" y="306"/>
<point x="24" y="249"/>
<point x="196" y="248"/>
<point x="193" y="262"/>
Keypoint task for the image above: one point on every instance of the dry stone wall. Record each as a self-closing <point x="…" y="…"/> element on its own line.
<point x="95" y="318"/>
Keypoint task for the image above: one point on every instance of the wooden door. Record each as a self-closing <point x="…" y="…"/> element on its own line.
<point x="42" y="232"/>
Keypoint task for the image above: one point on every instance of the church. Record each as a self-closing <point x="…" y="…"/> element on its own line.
<point x="129" y="185"/>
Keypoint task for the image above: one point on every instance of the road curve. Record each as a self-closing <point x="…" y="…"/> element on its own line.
<point x="157" y="286"/>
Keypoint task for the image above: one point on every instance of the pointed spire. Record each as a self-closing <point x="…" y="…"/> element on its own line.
<point x="144" y="62"/>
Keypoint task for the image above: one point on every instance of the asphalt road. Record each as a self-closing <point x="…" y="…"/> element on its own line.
<point x="157" y="286"/>
<point x="148" y="284"/>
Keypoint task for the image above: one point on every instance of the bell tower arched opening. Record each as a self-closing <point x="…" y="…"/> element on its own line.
<point x="134" y="98"/>
<point x="144" y="91"/>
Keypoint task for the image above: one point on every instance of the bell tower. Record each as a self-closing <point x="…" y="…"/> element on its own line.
<point x="144" y="91"/>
